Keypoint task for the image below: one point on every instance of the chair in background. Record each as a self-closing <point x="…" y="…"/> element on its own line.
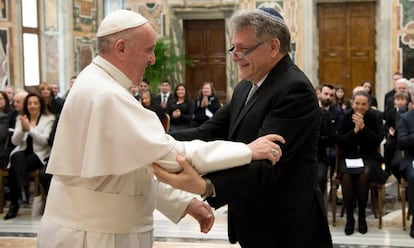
<point x="334" y="187"/>
<point x="38" y="189"/>
<point x="377" y="195"/>
<point x="3" y="173"/>
<point x="166" y="122"/>
<point x="377" y="201"/>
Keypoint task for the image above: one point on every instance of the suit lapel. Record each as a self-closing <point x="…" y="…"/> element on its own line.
<point x="243" y="109"/>
<point x="239" y="109"/>
<point x="239" y="105"/>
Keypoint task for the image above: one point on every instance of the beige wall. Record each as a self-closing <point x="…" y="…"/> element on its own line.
<point x="68" y="41"/>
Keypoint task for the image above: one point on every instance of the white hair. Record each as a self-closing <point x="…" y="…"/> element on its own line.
<point x="403" y="81"/>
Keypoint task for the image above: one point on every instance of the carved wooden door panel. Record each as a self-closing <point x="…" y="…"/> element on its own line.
<point x="205" y="47"/>
<point x="346" y="44"/>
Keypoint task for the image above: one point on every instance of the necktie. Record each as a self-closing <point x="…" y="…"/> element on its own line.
<point x="251" y="92"/>
<point x="164" y="98"/>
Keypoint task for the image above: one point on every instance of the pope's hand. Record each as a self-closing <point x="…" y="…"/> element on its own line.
<point x="203" y="213"/>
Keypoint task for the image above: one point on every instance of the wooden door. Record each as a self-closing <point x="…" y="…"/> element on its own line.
<point x="205" y="47"/>
<point x="346" y="44"/>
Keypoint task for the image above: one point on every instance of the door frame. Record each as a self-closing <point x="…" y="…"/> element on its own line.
<point x="178" y="15"/>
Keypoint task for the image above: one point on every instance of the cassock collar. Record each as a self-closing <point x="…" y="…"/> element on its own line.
<point x="112" y="71"/>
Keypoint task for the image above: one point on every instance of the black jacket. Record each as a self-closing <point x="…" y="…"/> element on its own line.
<point x="271" y="206"/>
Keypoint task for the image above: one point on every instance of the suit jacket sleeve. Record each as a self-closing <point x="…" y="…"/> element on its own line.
<point x="297" y="121"/>
<point x="286" y="105"/>
<point x="405" y="137"/>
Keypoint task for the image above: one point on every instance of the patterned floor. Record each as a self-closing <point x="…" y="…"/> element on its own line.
<point x="21" y="231"/>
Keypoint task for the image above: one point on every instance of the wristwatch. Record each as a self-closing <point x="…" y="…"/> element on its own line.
<point x="210" y="190"/>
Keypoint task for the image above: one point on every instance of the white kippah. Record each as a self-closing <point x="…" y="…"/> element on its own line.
<point x="118" y="21"/>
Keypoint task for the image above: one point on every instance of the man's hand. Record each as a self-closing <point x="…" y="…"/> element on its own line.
<point x="188" y="179"/>
<point x="265" y="148"/>
<point x="203" y="213"/>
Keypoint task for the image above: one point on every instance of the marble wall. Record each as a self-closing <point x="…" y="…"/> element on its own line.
<point x="68" y="29"/>
<point x="405" y="35"/>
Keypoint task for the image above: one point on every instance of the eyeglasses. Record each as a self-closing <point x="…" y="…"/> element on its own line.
<point x="246" y="52"/>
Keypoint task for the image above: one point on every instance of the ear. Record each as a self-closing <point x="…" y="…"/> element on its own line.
<point x="120" y="48"/>
<point x="275" y="46"/>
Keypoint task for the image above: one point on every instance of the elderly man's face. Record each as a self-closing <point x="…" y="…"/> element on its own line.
<point x="257" y="63"/>
<point x="18" y="102"/>
<point x="139" y="51"/>
<point x="401" y="87"/>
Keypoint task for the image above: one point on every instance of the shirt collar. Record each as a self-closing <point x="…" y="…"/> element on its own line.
<point x="262" y="80"/>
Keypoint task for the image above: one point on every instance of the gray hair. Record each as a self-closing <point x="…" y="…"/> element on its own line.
<point x="264" y="27"/>
<point x="105" y="43"/>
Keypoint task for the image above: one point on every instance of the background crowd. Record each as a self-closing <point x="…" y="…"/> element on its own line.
<point x="368" y="144"/>
<point x="371" y="144"/>
<point x="181" y="110"/>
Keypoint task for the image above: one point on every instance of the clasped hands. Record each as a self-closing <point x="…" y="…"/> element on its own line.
<point x="188" y="178"/>
<point x="25" y="123"/>
<point x="358" y="120"/>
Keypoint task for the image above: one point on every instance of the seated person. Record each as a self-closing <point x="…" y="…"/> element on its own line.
<point x="148" y="103"/>
<point x="4" y="139"/>
<point x="405" y="140"/>
<point x="180" y="109"/>
<point x="32" y="149"/>
<point x="392" y="155"/>
<point x="360" y="132"/>
<point x="206" y="105"/>
<point x="329" y="116"/>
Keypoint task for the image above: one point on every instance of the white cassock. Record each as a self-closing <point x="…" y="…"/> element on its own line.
<point x="103" y="192"/>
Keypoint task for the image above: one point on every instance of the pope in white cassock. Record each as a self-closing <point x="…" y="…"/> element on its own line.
<point x="103" y="192"/>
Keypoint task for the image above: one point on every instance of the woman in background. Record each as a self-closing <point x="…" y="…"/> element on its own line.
<point x="54" y="104"/>
<point x="180" y="109"/>
<point x="206" y="104"/>
<point x="147" y="102"/>
<point x="368" y="87"/>
<point x="360" y="132"/>
<point x="340" y="99"/>
<point x="32" y="149"/>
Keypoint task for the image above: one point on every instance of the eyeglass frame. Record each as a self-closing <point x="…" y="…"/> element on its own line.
<point x="246" y="52"/>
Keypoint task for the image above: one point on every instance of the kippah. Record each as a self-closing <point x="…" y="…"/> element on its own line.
<point x="120" y="20"/>
<point x="271" y="14"/>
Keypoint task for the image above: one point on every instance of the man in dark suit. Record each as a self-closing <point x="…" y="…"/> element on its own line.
<point x="405" y="139"/>
<point x="268" y="206"/>
<point x="389" y="96"/>
<point x="165" y="94"/>
<point x="326" y="150"/>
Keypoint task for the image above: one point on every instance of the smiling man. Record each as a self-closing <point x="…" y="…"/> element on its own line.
<point x="279" y="206"/>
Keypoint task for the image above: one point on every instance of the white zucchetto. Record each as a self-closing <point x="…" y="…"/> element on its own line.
<point x="120" y="20"/>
